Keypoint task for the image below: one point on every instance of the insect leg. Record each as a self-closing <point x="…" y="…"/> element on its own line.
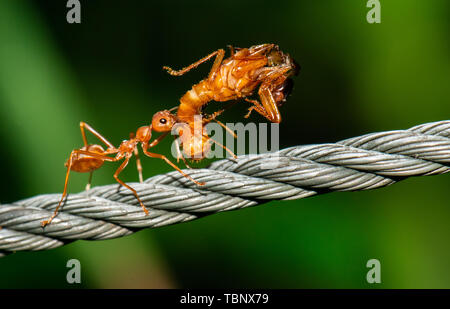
<point x="88" y="185"/>
<point x="84" y="125"/>
<point x="214" y="115"/>
<point x="159" y="156"/>
<point x="69" y="167"/>
<point x="156" y="141"/>
<point x="116" y="176"/>
<point x="223" y="146"/>
<point x="257" y="107"/>
<point x="231" y="47"/>
<point x="269" y="104"/>
<point x="194" y="65"/>
<point x="179" y="154"/>
<point x="216" y="65"/>
<point x="138" y="160"/>
<point x="226" y="128"/>
<point x="138" y="164"/>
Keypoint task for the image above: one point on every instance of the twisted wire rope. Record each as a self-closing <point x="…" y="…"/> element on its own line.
<point x="365" y="162"/>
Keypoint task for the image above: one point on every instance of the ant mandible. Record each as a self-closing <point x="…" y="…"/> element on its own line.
<point x="237" y="77"/>
<point x="91" y="156"/>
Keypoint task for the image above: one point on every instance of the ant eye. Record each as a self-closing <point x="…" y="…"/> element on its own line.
<point x="163" y="120"/>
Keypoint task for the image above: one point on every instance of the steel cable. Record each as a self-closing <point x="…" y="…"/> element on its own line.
<point x="361" y="163"/>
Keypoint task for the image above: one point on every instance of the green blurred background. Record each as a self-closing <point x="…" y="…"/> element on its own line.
<point x="356" y="78"/>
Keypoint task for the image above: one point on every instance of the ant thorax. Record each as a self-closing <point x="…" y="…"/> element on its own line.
<point x="144" y="134"/>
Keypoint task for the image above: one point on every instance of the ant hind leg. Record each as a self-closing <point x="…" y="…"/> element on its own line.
<point x="69" y="167"/>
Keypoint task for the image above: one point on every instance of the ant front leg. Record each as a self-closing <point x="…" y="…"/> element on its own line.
<point x="160" y="156"/>
<point x="219" y="57"/>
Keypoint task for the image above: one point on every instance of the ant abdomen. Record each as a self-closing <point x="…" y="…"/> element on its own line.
<point x="84" y="163"/>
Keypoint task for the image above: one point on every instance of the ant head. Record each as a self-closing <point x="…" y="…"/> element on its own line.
<point x="163" y="121"/>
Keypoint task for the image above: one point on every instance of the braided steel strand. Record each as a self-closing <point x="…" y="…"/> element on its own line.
<point x="361" y="163"/>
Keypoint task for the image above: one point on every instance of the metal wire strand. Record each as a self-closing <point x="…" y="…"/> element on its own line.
<point x="361" y="163"/>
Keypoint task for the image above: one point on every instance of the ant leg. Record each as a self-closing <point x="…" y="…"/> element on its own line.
<point x="180" y="155"/>
<point x="84" y="125"/>
<point x="159" y="156"/>
<point x="69" y="167"/>
<point x="269" y="104"/>
<point x="257" y="106"/>
<point x="226" y="128"/>
<point x="231" y="50"/>
<point x="138" y="164"/>
<point x="223" y="146"/>
<point x="216" y="65"/>
<point x="88" y="186"/>
<point x="195" y="64"/>
<point x="214" y="115"/>
<point x="116" y="176"/>
<point x="261" y="50"/>
<point x="156" y="141"/>
<point x="268" y="107"/>
<point x="138" y="160"/>
<point x="249" y="112"/>
<point x="173" y="108"/>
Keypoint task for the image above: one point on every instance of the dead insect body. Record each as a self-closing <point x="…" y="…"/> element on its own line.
<point x="238" y="77"/>
<point x="91" y="157"/>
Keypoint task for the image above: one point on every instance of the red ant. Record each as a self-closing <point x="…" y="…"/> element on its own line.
<point x="91" y="156"/>
<point x="237" y="77"/>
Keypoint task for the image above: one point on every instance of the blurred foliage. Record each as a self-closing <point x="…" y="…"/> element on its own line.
<point x="356" y="78"/>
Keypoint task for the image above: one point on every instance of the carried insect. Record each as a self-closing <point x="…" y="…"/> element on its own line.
<point x="230" y="79"/>
<point x="237" y="77"/>
<point x="91" y="156"/>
